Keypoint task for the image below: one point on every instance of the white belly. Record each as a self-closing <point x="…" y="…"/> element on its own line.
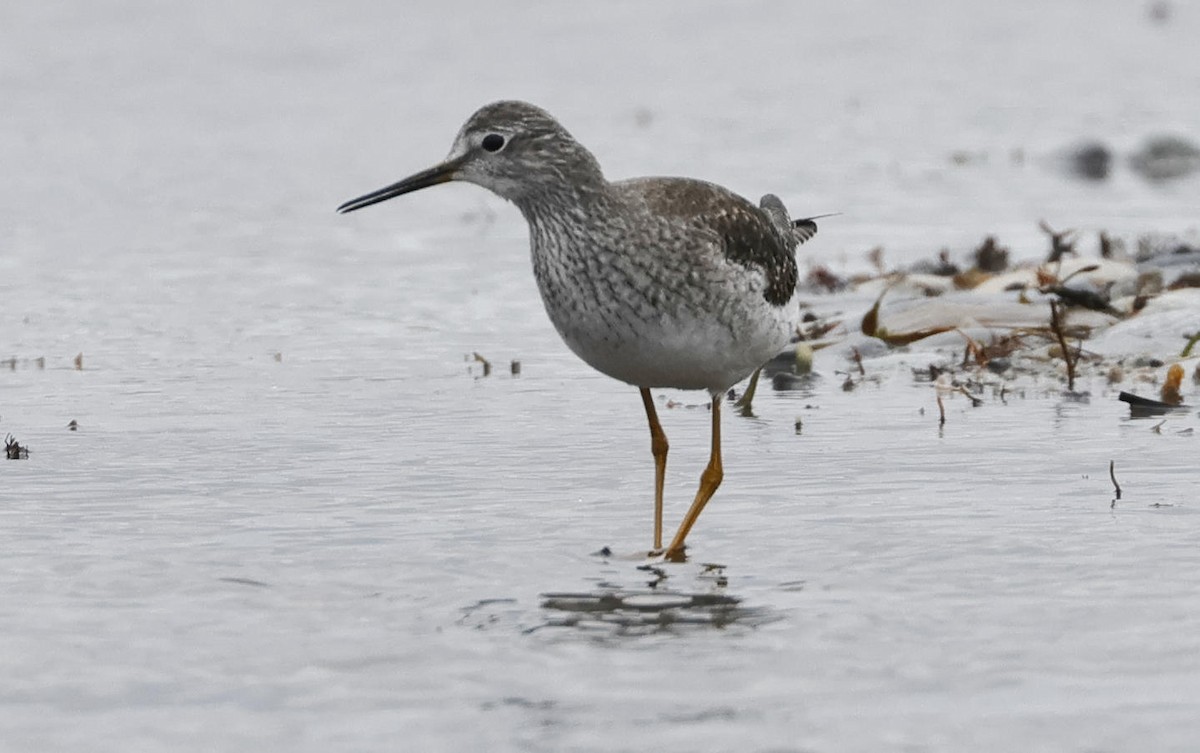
<point x="705" y="352"/>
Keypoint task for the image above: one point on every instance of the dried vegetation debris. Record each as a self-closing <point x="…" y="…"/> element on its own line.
<point x="14" y="450"/>
<point x="1110" y="314"/>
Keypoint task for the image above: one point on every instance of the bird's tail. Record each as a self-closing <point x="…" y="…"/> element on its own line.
<point x="807" y="227"/>
<point x="793" y="232"/>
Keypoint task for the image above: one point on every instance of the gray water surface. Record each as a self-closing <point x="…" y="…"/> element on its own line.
<point x="296" y="516"/>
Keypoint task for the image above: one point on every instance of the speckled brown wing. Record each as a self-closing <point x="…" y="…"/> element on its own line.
<point x="749" y="235"/>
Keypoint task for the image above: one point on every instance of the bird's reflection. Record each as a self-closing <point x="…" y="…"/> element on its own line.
<point x="666" y="601"/>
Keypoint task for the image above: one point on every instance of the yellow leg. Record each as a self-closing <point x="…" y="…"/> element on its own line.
<point x="709" y="481"/>
<point x="658" y="446"/>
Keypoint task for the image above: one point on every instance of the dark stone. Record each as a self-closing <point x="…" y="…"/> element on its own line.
<point x="1165" y="158"/>
<point x="991" y="256"/>
<point x="1090" y="161"/>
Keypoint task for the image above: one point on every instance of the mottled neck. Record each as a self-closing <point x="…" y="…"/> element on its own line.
<point x="563" y="194"/>
<point x="574" y="233"/>
<point x="568" y="207"/>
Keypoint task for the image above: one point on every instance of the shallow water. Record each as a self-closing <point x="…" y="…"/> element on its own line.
<point x="297" y="515"/>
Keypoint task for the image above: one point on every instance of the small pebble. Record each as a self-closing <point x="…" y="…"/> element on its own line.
<point x="999" y="365"/>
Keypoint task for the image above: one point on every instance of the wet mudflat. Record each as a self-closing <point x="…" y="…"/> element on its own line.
<point x="294" y="513"/>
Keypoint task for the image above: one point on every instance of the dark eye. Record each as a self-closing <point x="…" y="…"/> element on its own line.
<point x="493" y="142"/>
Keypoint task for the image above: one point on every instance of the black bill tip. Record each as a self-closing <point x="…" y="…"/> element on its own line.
<point x="437" y="174"/>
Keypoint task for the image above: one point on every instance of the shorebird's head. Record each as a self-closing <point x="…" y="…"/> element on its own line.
<point x="513" y="149"/>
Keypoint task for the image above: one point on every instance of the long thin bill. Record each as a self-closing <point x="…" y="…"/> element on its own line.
<point x="424" y="179"/>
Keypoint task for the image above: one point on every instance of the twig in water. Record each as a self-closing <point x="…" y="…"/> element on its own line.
<point x="487" y="365"/>
<point x="1191" y="343"/>
<point x="1056" y="326"/>
<point x="1112" y="473"/>
<point x="975" y="401"/>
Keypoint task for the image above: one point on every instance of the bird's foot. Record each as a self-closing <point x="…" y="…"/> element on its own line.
<point x="678" y="554"/>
